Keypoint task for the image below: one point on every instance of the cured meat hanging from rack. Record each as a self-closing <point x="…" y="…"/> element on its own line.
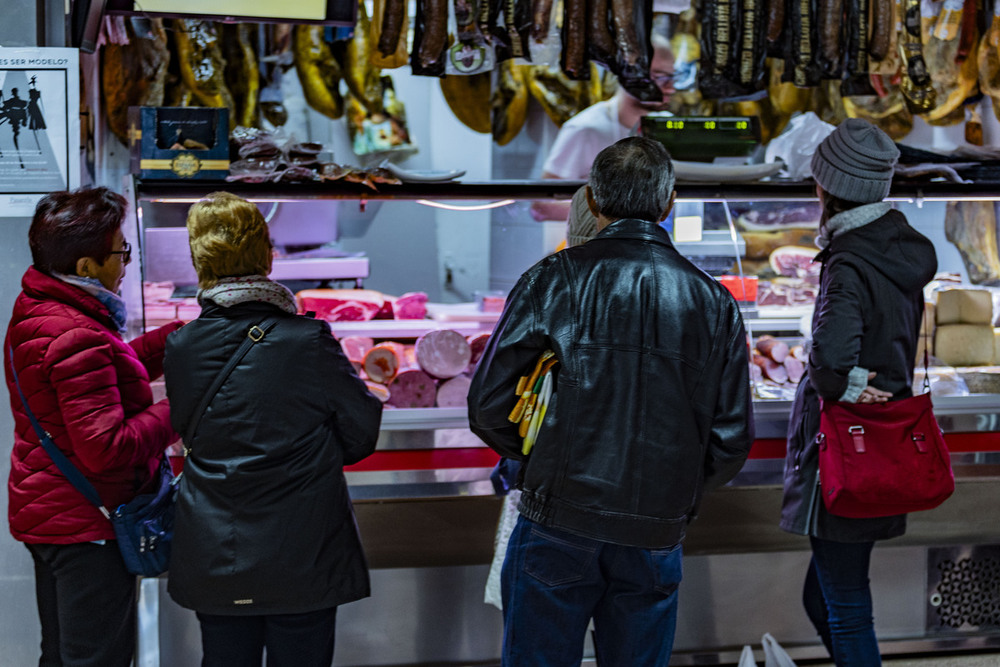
<point x="389" y="25"/>
<point x="509" y="102"/>
<point x="687" y="99"/>
<point x="887" y="110"/>
<point x="917" y="86"/>
<point x="954" y="80"/>
<point x="972" y="227"/>
<point x="241" y="72"/>
<point x="801" y="66"/>
<point x="989" y="60"/>
<point x="430" y="38"/>
<point x="882" y="27"/>
<point x="734" y="49"/>
<point x="774" y="31"/>
<point x="202" y="66"/>
<point x="468" y="97"/>
<point x="319" y="72"/>
<point x="600" y="41"/>
<point x="856" y="77"/>
<point x="562" y="97"/>
<point x="507" y="24"/>
<point x="363" y="79"/>
<point x="573" y="59"/>
<point x="133" y="69"/>
<point x="830" y="26"/>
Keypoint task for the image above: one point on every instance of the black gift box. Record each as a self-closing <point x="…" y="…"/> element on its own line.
<point x="179" y="142"/>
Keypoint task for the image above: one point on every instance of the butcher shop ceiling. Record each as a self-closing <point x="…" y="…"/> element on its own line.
<point x="889" y="61"/>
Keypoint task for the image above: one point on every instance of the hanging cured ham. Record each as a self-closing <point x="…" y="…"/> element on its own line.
<point x="989" y="60"/>
<point x="953" y="79"/>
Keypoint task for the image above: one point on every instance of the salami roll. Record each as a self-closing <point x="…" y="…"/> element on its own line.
<point x="384" y="361"/>
<point x="454" y="393"/>
<point x="443" y="354"/>
<point x="412" y="388"/>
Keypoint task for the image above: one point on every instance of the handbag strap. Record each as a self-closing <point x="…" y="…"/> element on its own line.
<point x="927" y="354"/>
<point x="254" y="335"/>
<point x="70" y="471"/>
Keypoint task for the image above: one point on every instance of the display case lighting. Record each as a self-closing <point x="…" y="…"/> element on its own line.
<point x="471" y="207"/>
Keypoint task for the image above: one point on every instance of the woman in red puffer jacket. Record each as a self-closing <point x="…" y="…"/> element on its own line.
<point x="90" y="390"/>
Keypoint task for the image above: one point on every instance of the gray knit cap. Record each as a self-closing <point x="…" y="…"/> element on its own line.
<point x="855" y="162"/>
<point x="581" y="225"/>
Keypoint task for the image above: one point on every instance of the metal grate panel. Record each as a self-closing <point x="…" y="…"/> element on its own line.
<point x="963" y="589"/>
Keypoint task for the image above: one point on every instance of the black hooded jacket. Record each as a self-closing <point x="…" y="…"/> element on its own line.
<point x="867" y="315"/>
<point x="652" y="387"/>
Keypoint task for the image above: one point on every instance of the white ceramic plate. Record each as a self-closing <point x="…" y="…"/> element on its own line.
<point x="424" y="176"/>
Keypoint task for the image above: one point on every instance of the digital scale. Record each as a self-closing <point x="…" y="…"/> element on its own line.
<point x="703" y="138"/>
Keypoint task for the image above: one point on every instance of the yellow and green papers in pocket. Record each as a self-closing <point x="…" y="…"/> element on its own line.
<point x="534" y="392"/>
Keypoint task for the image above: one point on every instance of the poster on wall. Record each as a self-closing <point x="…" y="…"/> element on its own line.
<point x="39" y="126"/>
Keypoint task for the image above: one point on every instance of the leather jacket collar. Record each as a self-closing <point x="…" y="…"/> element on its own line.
<point x="631" y="228"/>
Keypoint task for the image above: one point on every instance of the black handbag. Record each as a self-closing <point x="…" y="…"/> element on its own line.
<point x="144" y="526"/>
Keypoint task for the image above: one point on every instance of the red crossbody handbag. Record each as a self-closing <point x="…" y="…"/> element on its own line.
<point x="881" y="459"/>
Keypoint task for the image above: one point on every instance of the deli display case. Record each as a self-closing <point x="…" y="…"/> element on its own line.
<point x="424" y="501"/>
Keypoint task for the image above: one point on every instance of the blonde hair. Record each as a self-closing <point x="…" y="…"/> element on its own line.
<point x="228" y="237"/>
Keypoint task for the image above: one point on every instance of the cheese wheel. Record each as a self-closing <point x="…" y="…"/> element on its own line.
<point x="964" y="344"/>
<point x="965" y="306"/>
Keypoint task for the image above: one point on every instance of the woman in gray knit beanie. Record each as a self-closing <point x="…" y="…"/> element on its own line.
<point x="864" y="342"/>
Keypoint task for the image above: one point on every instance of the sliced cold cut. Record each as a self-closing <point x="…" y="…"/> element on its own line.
<point x="412" y="388"/>
<point x="443" y="354"/>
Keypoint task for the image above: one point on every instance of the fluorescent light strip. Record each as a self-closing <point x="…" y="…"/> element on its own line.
<point x="473" y="207"/>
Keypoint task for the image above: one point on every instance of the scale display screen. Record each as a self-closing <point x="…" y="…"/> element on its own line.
<point x="703" y="138"/>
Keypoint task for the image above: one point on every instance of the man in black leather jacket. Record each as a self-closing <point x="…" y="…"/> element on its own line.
<point x="651" y="408"/>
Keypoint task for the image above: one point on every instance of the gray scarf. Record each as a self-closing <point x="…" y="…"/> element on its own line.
<point x="850" y="219"/>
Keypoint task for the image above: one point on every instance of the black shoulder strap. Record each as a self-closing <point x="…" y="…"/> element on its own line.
<point x="254" y="336"/>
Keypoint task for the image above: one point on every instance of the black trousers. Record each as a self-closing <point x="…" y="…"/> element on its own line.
<point x="292" y="640"/>
<point x="86" y="604"/>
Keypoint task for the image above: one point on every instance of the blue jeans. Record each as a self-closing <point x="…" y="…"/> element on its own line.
<point x="554" y="582"/>
<point x="838" y="601"/>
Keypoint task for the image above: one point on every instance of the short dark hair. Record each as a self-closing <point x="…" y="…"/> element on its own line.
<point x="70" y="225"/>
<point x="632" y="178"/>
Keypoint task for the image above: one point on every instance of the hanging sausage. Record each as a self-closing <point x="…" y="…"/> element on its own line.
<point x="801" y="67"/>
<point x="856" y="80"/>
<point x="733" y="49"/>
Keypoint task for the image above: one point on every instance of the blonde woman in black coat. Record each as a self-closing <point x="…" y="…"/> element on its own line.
<point x="266" y="546"/>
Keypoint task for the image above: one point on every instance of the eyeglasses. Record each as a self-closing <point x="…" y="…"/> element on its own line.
<point x="663" y="79"/>
<point x="125" y="252"/>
